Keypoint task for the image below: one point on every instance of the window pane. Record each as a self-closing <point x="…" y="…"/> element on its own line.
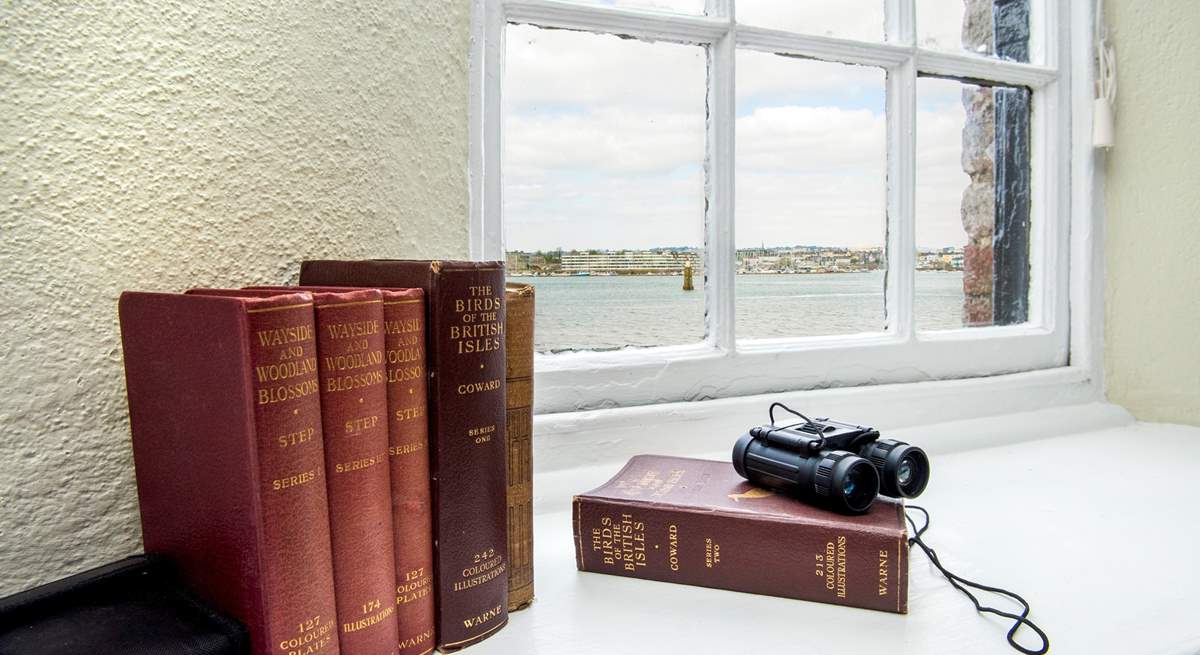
<point x="673" y="6"/>
<point x="973" y="204"/>
<point x="810" y="198"/>
<point x="604" y="186"/>
<point x="992" y="28"/>
<point x="846" y="19"/>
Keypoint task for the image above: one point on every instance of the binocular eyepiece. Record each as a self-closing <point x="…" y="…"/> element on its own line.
<point x="838" y="465"/>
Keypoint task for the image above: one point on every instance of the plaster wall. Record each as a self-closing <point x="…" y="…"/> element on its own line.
<point x="159" y="146"/>
<point x="1152" y="340"/>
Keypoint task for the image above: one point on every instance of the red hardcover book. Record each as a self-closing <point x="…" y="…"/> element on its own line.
<point x="228" y="449"/>
<point x="408" y="452"/>
<point x="408" y="455"/>
<point x="466" y="369"/>
<point x="698" y="522"/>
<point x="350" y="363"/>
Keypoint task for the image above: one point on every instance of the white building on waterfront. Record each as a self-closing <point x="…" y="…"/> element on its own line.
<point x="629" y="261"/>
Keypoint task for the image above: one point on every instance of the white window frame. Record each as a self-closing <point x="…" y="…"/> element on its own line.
<point x="1058" y="345"/>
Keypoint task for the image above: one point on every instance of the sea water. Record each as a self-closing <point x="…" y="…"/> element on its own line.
<point x="605" y="312"/>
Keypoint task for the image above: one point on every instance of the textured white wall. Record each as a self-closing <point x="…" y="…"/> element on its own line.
<point x="1152" y="341"/>
<point x="164" y="145"/>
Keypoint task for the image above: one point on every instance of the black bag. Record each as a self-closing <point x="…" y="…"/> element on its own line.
<point x="136" y="606"/>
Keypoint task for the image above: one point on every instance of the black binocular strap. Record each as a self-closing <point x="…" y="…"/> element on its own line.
<point x="807" y="421"/>
<point x="960" y="583"/>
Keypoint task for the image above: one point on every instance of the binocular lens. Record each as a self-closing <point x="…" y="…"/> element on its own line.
<point x="903" y="469"/>
<point x="859" y="486"/>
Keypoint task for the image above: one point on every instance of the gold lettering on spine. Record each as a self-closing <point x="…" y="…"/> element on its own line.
<point x="314" y="636"/>
<point x="375" y="612"/>
<point x="359" y="464"/>
<point x="622" y="542"/>
<point x="486" y="566"/>
<point x="358" y="356"/>
<point x="831" y="565"/>
<point x="405" y="348"/>
<point x="481" y="618"/>
<point x="352" y="329"/>
<point x="406" y="449"/>
<point x="353" y="361"/>
<point x="285" y="335"/>
<point x="287" y="392"/>
<point x="480" y="327"/>
<point x="712" y="553"/>
<point x="295" y="480"/>
<point x="883" y="573"/>
<point x="841" y="566"/>
<point x="417" y="640"/>
<point x="416" y="585"/>
<point x="672" y="548"/>
<point x="477" y="387"/>
<point x="409" y="413"/>
<point x="277" y="380"/>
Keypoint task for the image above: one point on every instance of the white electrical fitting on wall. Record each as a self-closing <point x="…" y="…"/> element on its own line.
<point x="1106" y="84"/>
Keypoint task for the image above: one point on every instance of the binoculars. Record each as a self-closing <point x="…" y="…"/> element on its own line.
<point x="837" y="465"/>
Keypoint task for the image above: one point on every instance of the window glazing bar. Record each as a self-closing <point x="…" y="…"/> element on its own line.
<point x="900" y="281"/>
<point x="649" y="25"/>
<point x="825" y="48"/>
<point x="720" y="249"/>
<point x="900" y="22"/>
<point x="988" y="69"/>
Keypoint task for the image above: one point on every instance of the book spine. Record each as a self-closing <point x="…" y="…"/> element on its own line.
<point x="408" y="455"/>
<point x="298" y="586"/>
<point x="466" y="350"/>
<point x="350" y="355"/>
<point x="822" y="562"/>
<point x="518" y="432"/>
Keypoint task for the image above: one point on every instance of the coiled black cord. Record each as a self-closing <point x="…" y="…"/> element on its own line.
<point x="960" y="583"/>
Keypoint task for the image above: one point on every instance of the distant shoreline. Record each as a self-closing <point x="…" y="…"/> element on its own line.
<point x="680" y="274"/>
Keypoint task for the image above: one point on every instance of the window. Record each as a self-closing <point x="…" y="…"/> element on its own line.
<point x="859" y="192"/>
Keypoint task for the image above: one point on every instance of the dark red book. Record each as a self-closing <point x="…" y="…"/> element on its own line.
<point x="466" y="370"/>
<point x="698" y="522"/>
<point x="350" y="363"/>
<point x="228" y="450"/>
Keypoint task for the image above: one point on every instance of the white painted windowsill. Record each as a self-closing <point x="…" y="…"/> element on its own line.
<point x="1087" y="514"/>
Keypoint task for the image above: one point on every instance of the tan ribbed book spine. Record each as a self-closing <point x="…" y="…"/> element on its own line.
<point x="519" y="433"/>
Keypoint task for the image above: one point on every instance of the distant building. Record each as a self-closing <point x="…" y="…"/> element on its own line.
<point x="629" y="261"/>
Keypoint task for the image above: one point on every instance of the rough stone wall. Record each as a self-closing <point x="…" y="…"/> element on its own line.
<point x="978" y="162"/>
<point x="165" y="145"/>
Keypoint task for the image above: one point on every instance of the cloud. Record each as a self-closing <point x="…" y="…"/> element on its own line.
<point x="939" y="24"/>
<point x="547" y="71"/>
<point x="608" y="140"/>
<point x="604" y="147"/>
<point x="847" y="19"/>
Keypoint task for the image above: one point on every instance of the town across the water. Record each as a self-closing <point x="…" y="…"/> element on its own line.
<point x="750" y="261"/>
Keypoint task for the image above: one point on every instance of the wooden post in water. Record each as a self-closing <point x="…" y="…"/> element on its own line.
<point x="687" y="277"/>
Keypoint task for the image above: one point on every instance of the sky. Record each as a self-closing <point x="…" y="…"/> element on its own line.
<point x="604" y="137"/>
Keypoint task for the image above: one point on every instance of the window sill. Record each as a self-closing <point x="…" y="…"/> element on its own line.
<point x="571" y="440"/>
<point x="1106" y="567"/>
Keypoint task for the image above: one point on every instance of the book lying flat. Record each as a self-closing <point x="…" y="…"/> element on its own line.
<point x="697" y="522"/>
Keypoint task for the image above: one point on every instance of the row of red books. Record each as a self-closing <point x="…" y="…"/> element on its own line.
<point x="327" y="462"/>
